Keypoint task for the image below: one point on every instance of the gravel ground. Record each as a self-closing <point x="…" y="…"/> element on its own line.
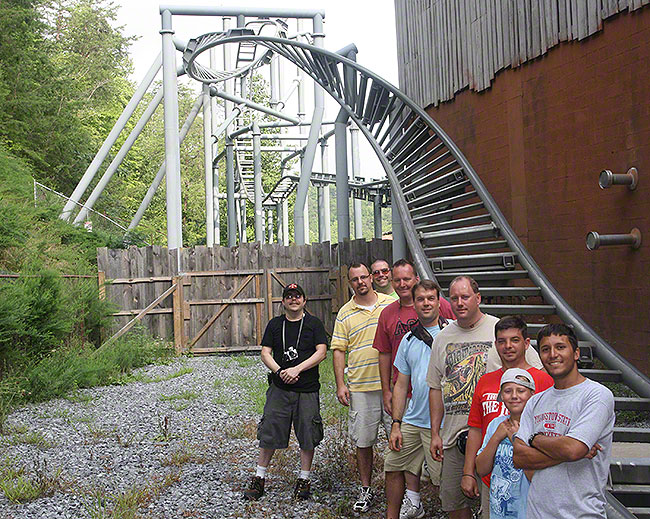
<point x="177" y="441"/>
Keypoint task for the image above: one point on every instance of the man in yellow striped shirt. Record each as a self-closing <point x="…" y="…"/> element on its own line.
<point x="354" y="333"/>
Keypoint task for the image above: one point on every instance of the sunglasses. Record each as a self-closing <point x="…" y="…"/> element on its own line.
<point x="293" y="296"/>
<point x="380" y="271"/>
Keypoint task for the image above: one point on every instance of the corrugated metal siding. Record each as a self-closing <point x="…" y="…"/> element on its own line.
<point x="445" y="46"/>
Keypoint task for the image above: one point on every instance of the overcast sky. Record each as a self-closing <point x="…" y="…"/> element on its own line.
<point x="370" y="25"/>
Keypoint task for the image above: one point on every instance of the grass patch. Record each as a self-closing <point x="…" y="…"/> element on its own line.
<point x="245" y="361"/>
<point x="77" y="397"/>
<point x="141" y="377"/>
<point x="183" y="395"/>
<point x="244" y="430"/>
<point x="35" y="438"/>
<point x="100" y="504"/>
<point x="20" y="485"/>
<point x="184" y="454"/>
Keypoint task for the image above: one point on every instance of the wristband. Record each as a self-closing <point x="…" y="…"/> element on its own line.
<point x="395" y="420"/>
<point x="532" y="437"/>
<point x="470" y="476"/>
<point x="278" y="371"/>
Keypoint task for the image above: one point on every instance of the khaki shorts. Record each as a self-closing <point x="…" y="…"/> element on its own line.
<point x="485" y="499"/>
<point x="415" y="449"/>
<point x="451" y="495"/>
<point x="366" y="415"/>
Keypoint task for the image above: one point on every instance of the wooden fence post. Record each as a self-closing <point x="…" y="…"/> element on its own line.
<point x="101" y="284"/>
<point x="178" y="313"/>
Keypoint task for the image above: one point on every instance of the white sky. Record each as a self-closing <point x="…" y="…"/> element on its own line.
<point x="370" y="25"/>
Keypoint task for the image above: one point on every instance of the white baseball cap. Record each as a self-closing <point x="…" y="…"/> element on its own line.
<point x="518" y="376"/>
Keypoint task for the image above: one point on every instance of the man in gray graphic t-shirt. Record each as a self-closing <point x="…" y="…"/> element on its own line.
<point x="565" y="435"/>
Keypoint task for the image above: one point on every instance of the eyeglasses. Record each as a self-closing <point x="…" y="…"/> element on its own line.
<point x="359" y="278"/>
<point x="380" y="271"/>
<point x="293" y="296"/>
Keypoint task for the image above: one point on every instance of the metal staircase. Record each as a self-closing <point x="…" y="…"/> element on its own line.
<point x="451" y="222"/>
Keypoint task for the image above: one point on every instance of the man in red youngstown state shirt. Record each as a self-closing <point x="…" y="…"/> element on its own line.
<point x="395" y="322"/>
<point x="511" y="344"/>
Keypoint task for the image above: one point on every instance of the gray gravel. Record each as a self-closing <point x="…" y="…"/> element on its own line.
<point x="181" y="457"/>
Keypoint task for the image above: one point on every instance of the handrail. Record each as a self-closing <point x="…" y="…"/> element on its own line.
<point x="634" y="378"/>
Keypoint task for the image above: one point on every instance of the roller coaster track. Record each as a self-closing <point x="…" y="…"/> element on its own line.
<point x="452" y="224"/>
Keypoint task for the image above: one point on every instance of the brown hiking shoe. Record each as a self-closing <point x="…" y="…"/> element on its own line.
<point x="255" y="490"/>
<point x="302" y="490"/>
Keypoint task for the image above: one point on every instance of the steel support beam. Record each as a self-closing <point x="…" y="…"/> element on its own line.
<point x="231" y="212"/>
<point x="257" y="182"/>
<point x="299" y="219"/>
<point x="119" y="125"/>
<point x="161" y="171"/>
<point x="377" y="217"/>
<point x="117" y="160"/>
<point x="216" y="223"/>
<point x="324" y="191"/>
<point x="172" y="138"/>
<point x="342" y="180"/>
<point x="207" y="166"/>
<point x="356" y="171"/>
<point x="399" y="240"/>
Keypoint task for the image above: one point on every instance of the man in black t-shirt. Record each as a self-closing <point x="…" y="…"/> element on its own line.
<point x="292" y="347"/>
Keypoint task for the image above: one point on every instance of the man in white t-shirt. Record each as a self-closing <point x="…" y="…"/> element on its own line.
<point x="459" y="357"/>
<point x="565" y="435"/>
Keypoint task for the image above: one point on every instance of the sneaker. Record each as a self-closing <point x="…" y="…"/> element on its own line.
<point x="302" y="490"/>
<point x="410" y="511"/>
<point x="255" y="490"/>
<point x="365" y="500"/>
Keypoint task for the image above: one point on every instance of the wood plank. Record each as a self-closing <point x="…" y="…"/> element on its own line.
<point x="229" y="272"/>
<point x="179" y="321"/>
<point x="212" y="319"/>
<point x="269" y="295"/>
<point x="101" y="284"/>
<point x="258" y="308"/>
<point x="136" y="311"/>
<point x="144" y="312"/>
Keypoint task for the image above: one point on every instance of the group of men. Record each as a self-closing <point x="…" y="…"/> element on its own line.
<point x="435" y="374"/>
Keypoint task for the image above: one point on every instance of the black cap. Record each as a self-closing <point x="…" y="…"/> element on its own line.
<point x="292" y="287"/>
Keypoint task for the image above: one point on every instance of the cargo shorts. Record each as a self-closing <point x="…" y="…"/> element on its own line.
<point x="284" y="408"/>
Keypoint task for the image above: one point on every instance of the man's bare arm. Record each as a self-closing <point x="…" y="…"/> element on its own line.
<point x="342" y="391"/>
<point x="385" y="377"/>
<point x="436" y="410"/>
<point x="561" y="448"/>
<point x="525" y="457"/>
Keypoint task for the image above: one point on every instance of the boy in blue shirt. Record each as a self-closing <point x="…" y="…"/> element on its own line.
<point x="508" y="485"/>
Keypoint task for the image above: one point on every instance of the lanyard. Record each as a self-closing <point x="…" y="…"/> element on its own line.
<point x="284" y="334"/>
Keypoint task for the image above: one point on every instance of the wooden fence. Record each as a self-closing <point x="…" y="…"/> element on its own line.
<point x="221" y="298"/>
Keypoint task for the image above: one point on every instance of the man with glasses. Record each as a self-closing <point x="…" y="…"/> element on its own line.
<point x="292" y="347"/>
<point x="382" y="278"/>
<point x="354" y="331"/>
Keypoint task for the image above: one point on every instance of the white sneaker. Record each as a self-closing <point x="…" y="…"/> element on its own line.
<point x="365" y="500"/>
<point x="410" y="511"/>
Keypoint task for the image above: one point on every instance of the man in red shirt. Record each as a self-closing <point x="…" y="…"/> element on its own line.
<point x="511" y="344"/>
<point x="395" y="321"/>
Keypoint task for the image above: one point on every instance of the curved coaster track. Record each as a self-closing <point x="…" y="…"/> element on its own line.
<point x="452" y="224"/>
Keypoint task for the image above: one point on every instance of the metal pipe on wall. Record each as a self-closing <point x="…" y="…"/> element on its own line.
<point x="119" y="125"/>
<point x="399" y="240"/>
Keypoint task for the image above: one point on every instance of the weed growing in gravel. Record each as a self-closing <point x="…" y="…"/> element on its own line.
<point x="242" y="429"/>
<point x="181" y="407"/>
<point x="20" y="486"/>
<point x="252" y="391"/>
<point x="35" y="438"/>
<point x="100" y="504"/>
<point x="245" y="361"/>
<point x="141" y="377"/>
<point x="185" y="453"/>
<point x="183" y="395"/>
<point x="125" y="441"/>
<point x="97" y="433"/>
<point x="165" y="430"/>
<point x="78" y="397"/>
